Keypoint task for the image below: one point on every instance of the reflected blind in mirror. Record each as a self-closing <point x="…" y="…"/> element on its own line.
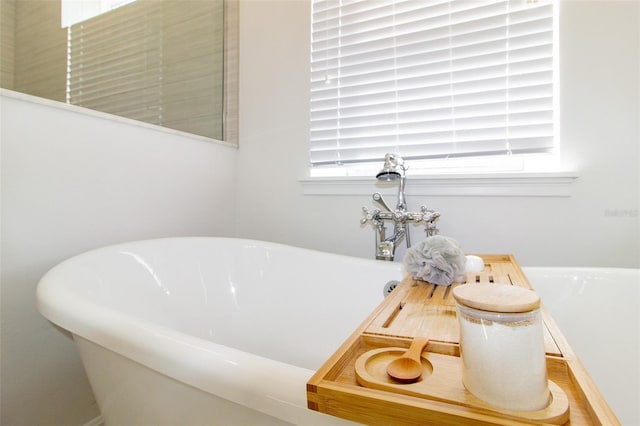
<point x="430" y="79"/>
<point x="160" y="62"/>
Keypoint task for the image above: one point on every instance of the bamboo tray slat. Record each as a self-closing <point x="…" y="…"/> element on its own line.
<point x="342" y="388"/>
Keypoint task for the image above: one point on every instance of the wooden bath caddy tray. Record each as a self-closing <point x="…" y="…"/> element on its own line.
<point x="353" y="384"/>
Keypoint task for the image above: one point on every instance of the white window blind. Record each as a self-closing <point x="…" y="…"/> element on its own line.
<point x="160" y="62"/>
<point x="430" y="79"/>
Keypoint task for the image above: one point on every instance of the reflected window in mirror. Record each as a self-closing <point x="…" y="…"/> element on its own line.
<point x="157" y="61"/>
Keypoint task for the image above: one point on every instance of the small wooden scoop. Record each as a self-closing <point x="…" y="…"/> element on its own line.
<point x="408" y="367"/>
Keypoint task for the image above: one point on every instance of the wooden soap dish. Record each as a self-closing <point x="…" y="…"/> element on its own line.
<point x="442" y="381"/>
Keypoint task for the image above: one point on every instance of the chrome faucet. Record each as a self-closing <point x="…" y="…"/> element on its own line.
<point x="394" y="169"/>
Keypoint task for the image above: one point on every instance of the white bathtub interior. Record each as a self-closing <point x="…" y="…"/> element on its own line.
<point x="598" y="311"/>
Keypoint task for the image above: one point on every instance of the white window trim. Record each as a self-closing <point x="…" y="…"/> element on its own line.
<point x="540" y="175"/>
<point x="522" y="184"/>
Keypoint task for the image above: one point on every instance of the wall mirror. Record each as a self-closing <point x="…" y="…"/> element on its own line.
<point x="171" y="63"/>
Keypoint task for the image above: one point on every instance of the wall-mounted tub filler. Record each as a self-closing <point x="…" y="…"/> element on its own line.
<point x="394" y="170"/>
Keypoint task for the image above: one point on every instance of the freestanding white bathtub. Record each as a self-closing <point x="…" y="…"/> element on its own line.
<point x="204" y="331"/>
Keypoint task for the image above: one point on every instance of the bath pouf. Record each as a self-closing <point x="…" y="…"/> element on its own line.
<point x="437" y="259"/>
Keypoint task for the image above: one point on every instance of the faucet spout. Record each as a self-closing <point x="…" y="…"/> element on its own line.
<point x="387" y="246"/>
<point x="385" y="251"/>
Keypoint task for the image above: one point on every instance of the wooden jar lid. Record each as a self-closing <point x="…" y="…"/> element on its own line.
<point x="497" y="297"/>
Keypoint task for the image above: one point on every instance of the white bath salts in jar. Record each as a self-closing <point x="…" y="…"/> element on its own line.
<point x="502" y="346"/>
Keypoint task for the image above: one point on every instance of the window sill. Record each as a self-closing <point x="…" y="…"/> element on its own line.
<point x="521" y="184"/>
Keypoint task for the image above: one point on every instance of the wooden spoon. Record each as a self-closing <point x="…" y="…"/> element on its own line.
<point x="408" y="367"/>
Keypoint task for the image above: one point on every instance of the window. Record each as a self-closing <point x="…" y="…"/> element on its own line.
<point x="74" y="11"/>
<point x="431" y="80"/>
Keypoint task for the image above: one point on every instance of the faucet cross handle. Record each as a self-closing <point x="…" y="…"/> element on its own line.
<point x="370" y="215"/>
<point x="429" y="215"/>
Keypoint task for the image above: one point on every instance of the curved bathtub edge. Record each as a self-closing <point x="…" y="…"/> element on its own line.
<point x="184" y="358"/>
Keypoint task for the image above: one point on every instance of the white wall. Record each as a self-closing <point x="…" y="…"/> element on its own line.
<point x="597" y="225"/>
<point x="72" y="182"/>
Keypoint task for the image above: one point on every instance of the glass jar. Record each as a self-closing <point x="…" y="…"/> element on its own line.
<point x="502" y="346"/>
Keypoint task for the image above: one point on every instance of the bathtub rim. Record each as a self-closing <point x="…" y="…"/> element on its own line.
<point x="609" y="269"/>
<point x="577" y="272"/>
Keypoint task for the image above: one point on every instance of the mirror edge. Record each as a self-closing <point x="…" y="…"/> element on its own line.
<point x="231" y="70"/>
